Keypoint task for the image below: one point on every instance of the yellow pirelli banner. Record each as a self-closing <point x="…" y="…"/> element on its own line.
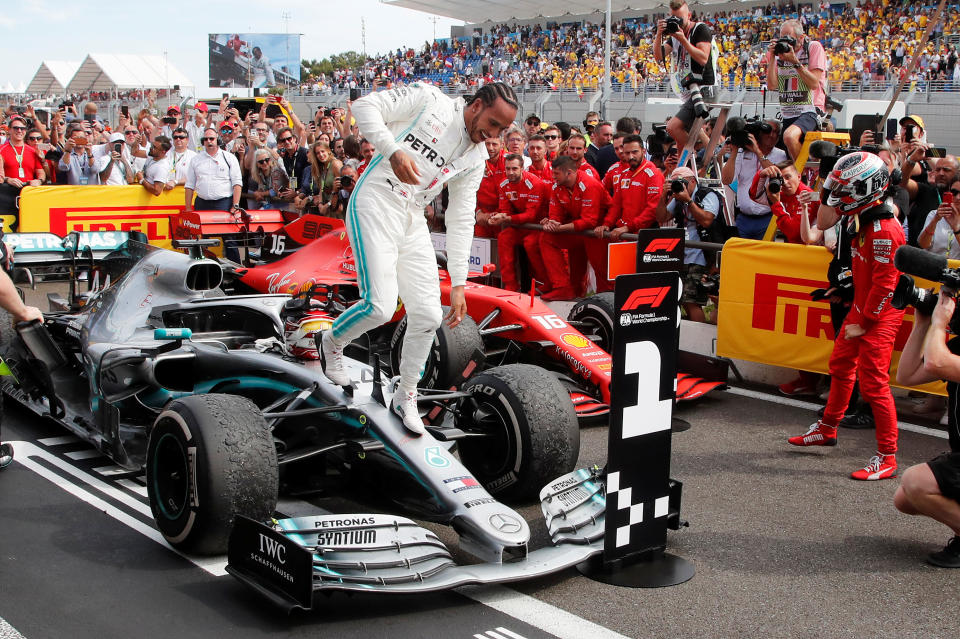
<point x="61" y="209"/>
<point x="766" y="314"/>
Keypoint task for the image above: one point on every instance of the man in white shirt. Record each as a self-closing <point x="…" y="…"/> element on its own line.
<point x="753" y="217"/>
<point x="112" y="167"/>
<point x="214" y="176"/>
<point x="179" y="157"/>
<point x="157" y="169"/>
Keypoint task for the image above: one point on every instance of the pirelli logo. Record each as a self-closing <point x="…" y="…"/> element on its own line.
<point x="651" y="297"/>
<point x="154" y="222"/>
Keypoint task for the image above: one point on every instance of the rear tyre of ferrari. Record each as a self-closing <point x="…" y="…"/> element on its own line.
<point x="595" y="316"/>
<point x="450" y="353"/>
<point x="209" y="459"/>
<point x="532" y="435"/>
<point x="6" y="455"/>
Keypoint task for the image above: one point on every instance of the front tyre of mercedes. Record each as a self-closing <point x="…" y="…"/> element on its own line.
<point x="209" y="459"/>
<point x="526" y="426"/>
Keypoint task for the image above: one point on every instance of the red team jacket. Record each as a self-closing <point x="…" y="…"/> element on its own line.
<point x="526" y="201"/>
<point x="874" y="275"/>
<point x="635" y="198"/>
<point x="488" y="193"/>
<point x="546" y="174"/>
<point x="585" y="204"/>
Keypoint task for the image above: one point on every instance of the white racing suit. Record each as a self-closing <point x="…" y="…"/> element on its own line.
<point x="385" y="217"/>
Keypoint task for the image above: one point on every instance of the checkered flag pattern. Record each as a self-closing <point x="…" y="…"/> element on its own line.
<point x="621" y="496"/>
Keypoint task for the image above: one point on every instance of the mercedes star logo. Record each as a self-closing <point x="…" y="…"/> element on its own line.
<point x="505" y="523"/>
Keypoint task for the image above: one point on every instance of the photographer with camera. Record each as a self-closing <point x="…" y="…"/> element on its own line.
<point x="941" y="230"/>
<point x="924" y="195"/>
<point x="795" y="70"/>
<point x="750" y="148"/>
<point x="932" y="489"/>
<point x="684" y="204"/>
<point x="691" y="62"/>
<point x="113" y="168"/>
<point x="856" y="188"/>
<point x="779" y="187"/>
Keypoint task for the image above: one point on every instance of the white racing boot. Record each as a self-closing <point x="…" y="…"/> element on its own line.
<point x="405" y="405"/>
<point x="331" y="356"/>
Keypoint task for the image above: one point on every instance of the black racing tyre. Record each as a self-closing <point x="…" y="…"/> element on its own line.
<point x="532" y="425"/>
<point x="596" y="314"/>
<point x="210" y="458"/>
<point x="451" y="351"/>
<point x="6" y="455"/>
<point x="7" y="330"/>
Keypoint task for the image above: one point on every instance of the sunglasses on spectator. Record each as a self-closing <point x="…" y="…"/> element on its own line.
<point x="134" y="132"/>
<point x="264" y="161"/>
<point x="550" y="137"/>
<point x="179" y="137"/>
<point x="209" y="139"/>
<point x="956" y="192"/>
<point x="34" y="138"/>
<point x="286" y="139"/>
<point x="18" y="128"/>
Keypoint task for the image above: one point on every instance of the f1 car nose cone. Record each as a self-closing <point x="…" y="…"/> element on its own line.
<point x="505" y="523"/>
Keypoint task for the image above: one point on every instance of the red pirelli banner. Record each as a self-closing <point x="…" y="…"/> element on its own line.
<point x="61" y="209"/>
<point x="766" y="314"/>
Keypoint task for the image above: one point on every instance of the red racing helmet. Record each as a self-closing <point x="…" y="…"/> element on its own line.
<point x="858" y="181"/>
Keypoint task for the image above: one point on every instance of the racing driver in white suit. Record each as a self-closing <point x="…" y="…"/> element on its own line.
<point x="424" y="140"/>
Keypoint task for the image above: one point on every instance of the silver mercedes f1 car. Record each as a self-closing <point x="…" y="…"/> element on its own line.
<point x="161" y="372"/>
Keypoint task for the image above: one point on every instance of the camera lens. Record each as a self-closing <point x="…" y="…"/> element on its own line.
<point x="775" y="184"/>
<point x="678" y="185"/>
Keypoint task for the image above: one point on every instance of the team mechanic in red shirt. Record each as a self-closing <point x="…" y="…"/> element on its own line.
<point x="785" y="204"/>
<point x="539" y="164"/>
<point x="578" y="203"/>
<point x="857" y="187"/>
<point x="634" y="204"/>
<point x="610" y="181"/>
<point x="577" y="149"/>
<point x="524" y="199"/>
<point x="488" y="196"/>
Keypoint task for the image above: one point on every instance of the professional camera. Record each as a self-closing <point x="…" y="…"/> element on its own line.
<point x="830" y="103"/>
<point x="775" y="184"/>
<point x="828" y="153"/>
<point x="784" y="45"/>
<point x="739" y="130"/>
<point x="674" y="25"/>
<point x="692" y="84"/>
<point x="912" y="260"/>
<point x="678" y="185"/>
<point x="346" y="181"/>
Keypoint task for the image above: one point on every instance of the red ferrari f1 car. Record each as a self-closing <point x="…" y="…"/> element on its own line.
<point x="317" y="265"/>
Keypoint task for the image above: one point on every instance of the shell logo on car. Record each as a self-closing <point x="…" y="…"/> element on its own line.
<point x="577" y="341"/>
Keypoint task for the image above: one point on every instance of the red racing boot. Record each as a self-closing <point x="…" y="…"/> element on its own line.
<point x="880" y="466"/>
<point x="818" y="435"/>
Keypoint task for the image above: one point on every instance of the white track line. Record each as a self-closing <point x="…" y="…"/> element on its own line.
<point x="536" y="613"/>
<point x="26" y="454"/>
<point x="799" y="403"/>
<point x="89" y="453"/>
<point x="7" y="631"/>
<point x="59" y="441"/>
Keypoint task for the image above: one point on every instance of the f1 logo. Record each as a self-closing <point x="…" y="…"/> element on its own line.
<point x="651" y="297"/>
<point x="662" y="244"/>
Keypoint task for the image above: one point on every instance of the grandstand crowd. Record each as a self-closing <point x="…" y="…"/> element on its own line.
<point x="867" y="44"/>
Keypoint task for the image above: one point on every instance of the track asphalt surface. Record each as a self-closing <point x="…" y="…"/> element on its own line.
<point x="784" y="544"/>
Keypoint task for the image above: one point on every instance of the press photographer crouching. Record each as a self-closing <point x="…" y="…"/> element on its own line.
<point x="780" y="188"/>
<point x="932" y="489"/>
<point x="689" y="47"/>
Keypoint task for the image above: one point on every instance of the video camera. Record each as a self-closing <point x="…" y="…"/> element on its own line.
<point x="930" y="266"/>
<point x="828" y="153"/>
<point x="740" y="128"/>
<point x="673" y="25"/>
<point x="784" y="45"/>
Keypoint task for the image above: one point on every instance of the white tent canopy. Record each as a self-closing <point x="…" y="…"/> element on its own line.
<point x="112" y="72"/>
<point x="484" y="11"/>
<point x="52" y="77"/>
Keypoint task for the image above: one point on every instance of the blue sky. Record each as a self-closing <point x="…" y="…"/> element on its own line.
<point x="36" y="30"/>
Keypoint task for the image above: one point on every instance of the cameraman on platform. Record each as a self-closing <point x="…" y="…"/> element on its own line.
<point x="795" y="68"/>
<point x="933" y="488"/>
<point x="690" y="52"/>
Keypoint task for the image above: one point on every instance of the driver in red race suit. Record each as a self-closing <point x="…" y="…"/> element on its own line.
<point x="424" y="140"/>
<point x="857" y="187"/>
<point x="524" y="199"/>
